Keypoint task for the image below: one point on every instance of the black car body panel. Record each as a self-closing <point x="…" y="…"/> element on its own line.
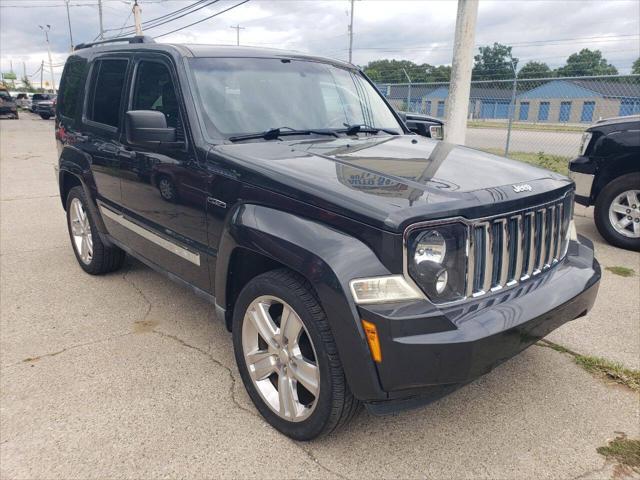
<point x="330" y="209"/>
<point x="613" y="150"/>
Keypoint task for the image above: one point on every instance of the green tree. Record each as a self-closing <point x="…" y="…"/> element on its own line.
<point x="534" y="69"/>
<point x="393" y="71"/>
<point x="636" y="66"/>
<point x="27" y="84"/>
<point x="494" y="63"/>
<point x="586" y="62"/>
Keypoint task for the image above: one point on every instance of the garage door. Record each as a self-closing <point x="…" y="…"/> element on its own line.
<point x="494" y="109"/>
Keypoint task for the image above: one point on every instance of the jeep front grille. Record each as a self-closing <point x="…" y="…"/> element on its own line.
<point x="506" y="250"/>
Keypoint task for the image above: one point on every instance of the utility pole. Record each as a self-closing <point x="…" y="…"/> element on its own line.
<point x="460" y="84"/>
<point x="237" y="29"/>
<point x="137" y="17"/>
<point x="100" y="17"/>
<point x="46" y="36"/>
<point x="41" y="73"/>
<point x="351" y="33"/>
<point x="69" y="21"/>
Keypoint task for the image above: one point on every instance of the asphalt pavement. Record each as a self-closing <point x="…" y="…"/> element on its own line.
<point x="561" y="143"/>
<point x="129" y="375"/>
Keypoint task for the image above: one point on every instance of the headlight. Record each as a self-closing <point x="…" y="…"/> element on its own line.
<point x="393" y="288"/>
<point x="437" y="261"/>
<point x="584" y="143"/>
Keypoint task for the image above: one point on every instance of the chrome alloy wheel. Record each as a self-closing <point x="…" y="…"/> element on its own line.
<point x="624" y="214"/>
<point x="166" y="189"/>
<point x="280" y="358"/>
<point x="81" y="231"/>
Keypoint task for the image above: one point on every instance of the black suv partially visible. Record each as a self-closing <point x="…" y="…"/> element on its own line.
<point x="607" y="175"/>
<point x="353" y="261"/>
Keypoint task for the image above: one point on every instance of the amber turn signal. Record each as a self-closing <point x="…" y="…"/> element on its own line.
<point x="371" y="332"/>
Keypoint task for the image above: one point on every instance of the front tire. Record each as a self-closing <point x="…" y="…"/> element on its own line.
<point x="287" y="357"/>
<point x="617" y="212"/>
<point x="93" y="256"/>
<point x="45" y="116"/>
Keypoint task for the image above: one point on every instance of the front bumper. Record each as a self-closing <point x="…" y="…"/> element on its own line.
<point x="427" y="352"/>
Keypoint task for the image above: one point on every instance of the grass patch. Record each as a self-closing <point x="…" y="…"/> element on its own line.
<point x="624" y="450"/>
<point x="555" y="163"/>
<point x="622" y="271"/>
<point x="540" y="127"/>
<point x="601" y="367"/>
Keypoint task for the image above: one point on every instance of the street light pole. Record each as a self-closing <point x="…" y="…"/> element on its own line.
<point x="69" y="21"/>
<point x="46" y="36"/>
<point x="351" y="33"/>
<point x="100" y="18"/>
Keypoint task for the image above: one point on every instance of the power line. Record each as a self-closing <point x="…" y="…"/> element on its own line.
<point x="161" y="17"/>
<point x="204" y="19"/>
<point x="149" y="25"/>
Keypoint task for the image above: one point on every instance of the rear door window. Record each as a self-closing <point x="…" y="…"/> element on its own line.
<point x="106" y="92"/>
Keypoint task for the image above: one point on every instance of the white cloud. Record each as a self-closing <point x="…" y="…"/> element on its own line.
<point x="421" y="31"/>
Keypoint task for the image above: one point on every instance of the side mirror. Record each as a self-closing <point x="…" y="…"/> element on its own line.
<point x="148" y="128"/>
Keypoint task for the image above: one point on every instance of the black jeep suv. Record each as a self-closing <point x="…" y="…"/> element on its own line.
<point x="353" y="261"/>
<point x="607" y="175"/>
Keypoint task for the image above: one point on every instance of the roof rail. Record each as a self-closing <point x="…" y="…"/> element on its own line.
<point x="136" y="39"/>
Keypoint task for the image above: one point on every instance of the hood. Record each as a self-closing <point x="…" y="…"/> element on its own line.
<point x="392" y="181"/>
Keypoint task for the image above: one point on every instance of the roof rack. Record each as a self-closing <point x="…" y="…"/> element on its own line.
<point x="136" y="39"/>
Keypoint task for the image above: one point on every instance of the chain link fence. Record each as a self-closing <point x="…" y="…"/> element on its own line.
<point x="530" y="119"/>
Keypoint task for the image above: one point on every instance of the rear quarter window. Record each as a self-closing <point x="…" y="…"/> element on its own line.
<point x="70" y="95"/>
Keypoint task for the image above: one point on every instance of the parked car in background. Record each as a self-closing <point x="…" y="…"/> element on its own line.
<point x="607" y="175"/>
<point x="23" y="101"/>
<point x="353" y="261"/>
<point x="39" y="97"/>
<point x="8" y="107"/>
<point x="423" y="125"/>
<point x="46" y="108"/>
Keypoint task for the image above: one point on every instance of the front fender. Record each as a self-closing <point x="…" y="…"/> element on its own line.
<point x="328" y="259"/>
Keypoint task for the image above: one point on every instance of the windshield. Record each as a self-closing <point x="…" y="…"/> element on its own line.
<point x="249" y="95"/>
<point x="5" y="95"/>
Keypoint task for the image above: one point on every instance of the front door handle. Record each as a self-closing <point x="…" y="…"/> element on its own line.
<point x="127" y="153"/>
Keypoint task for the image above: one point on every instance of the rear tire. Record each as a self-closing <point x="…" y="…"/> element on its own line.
<point x="318" y="406"/>
<point x="45" y="116"/>
<point x="615" y="207"/>
<point x="94" y="257"/>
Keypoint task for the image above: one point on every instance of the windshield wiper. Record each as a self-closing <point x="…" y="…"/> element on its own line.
<point x="274" y="133"/>
<point x="364" y="128"/>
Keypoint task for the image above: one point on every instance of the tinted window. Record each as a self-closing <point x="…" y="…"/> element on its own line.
<point x="70" y="89"/>
<point x="107" y="84"/>
<point x="154" y="90"/>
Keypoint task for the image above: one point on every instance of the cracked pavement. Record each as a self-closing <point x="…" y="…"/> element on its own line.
<point x="129" y="375"/>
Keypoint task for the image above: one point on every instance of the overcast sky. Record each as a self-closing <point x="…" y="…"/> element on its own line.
<point x="421" y="31"/>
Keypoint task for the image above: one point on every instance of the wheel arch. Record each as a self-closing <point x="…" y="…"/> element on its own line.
<point x="74" y="170"/>
<point x="259" y="239"/>
<point x="611" y="169"/>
